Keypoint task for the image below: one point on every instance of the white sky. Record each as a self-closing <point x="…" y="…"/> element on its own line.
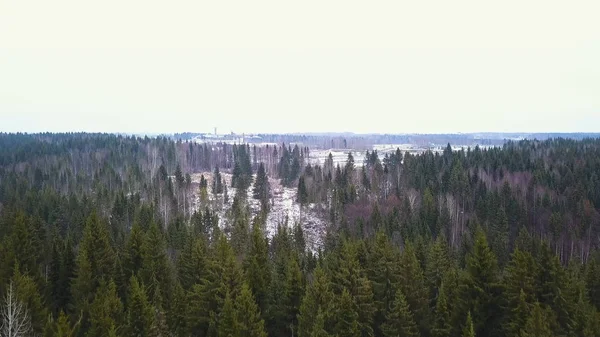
<point x="299" y="66"/>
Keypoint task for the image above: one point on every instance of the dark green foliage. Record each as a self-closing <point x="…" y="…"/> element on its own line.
<point x="106" y="311"/>
<point x="400" y="320"/>
<point x="481" y="291"/>
<point x="412" y="285"/>
<point x="140" y="314"/>
<point x="247" y="315"/>
<point x="227" y="324"/>
<point x="262" y="188"/>
<point x="257" y="268"/>
<point x="217" y="183"/>
<point x="537" y="324"/>
<point x="99" y="240"/>
<point x="346" y="316"/>
<point x="468" y="329"/>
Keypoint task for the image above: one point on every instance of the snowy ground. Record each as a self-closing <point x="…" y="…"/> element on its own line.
<point x="284" y="209"/>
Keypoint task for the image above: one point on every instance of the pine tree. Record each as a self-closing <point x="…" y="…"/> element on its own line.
<point x="346" y="316"/>
<point x="248" y="320"/>
<point x="140" y="314"/>
<point x="400" y="321"/>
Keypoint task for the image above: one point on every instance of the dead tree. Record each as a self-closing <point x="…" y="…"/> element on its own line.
<point x="15" y="318"/>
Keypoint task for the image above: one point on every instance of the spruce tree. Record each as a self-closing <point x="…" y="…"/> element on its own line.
<point x="412" y="285"/>
<point x="140" y="314"/>
<point x="134" y="245"/>
<point x="438" y="264"/>
<point x="106" y="311"/>
<point x="217" y="183"/>
<point x="382" y="270"/>
<point x="192" y="262"/>
<point x="257" y="268"/>
<point x="262" y="188"/>
<point x="227" y="321"/>
<point x="468" y="329"/>
<point x="400" y="320"/>
<point x="248" y="318"/>
<point x="481" y="291"/>
<point x="317" y="299"/>
<point x="346" y="316"/>
<point x="96" y="243"/>
<point x="27" y="293"/>
<point x="156" y="269"/>
<point x="319" y="328"/>
<point x="82" y="286"/>
<point x="537" y="323"/>
<point x="517" y="315"/>
<point x="442" y="325"/>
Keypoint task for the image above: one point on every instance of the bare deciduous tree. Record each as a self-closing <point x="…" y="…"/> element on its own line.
<point x="15" y="318"/>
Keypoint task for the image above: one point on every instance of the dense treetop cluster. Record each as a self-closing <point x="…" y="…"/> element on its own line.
<point x="99" y="237"/>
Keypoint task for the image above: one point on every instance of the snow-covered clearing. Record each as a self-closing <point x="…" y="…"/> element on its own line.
<point x="284" y="208"/>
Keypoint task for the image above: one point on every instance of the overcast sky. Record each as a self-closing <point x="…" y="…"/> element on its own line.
<point x="299" y="66"/>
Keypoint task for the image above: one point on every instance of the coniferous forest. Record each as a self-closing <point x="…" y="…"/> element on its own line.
<point x="100" y="236"/>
